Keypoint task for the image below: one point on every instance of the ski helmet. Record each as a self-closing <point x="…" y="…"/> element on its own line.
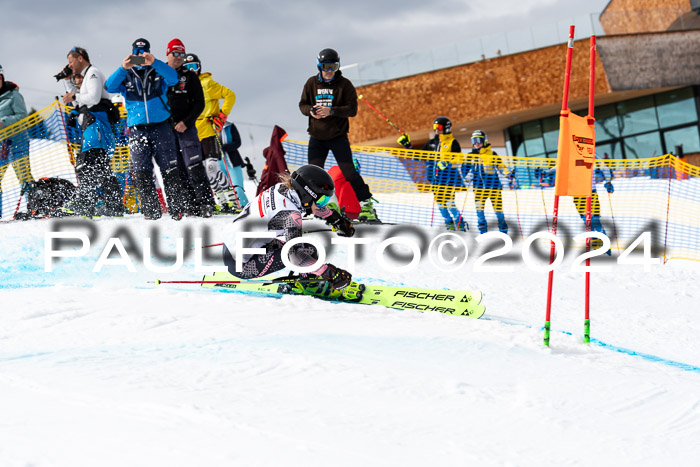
<point x="479" y="137"/>
<point x="192" y="63"/>
<point x="443" y="125"/>
<point x="328" y="59"/>
<point x="313" y="185"/>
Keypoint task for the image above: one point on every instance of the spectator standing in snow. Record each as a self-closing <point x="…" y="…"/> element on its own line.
<point x="186" y="101"/>
<point x="92" y="102"/>
<point x="211" y="120"/>
<point x="143" y="80"/>
<point x="443" y="172"/>
<point x="15" y="149"/>
<point x="329" y="99"/>
<point x="487" y="184"/>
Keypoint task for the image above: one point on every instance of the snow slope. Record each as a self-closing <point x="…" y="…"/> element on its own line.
<point x="106" y="369"/>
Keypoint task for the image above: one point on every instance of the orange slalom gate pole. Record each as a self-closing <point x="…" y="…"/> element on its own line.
<point x="555" y="214"/>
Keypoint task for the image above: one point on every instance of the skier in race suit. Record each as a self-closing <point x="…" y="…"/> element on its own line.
<point x="280" y="208"/>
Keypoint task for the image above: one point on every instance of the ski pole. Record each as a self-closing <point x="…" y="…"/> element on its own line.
<point x="612" y="214"/>
<point x="224" y="155"/>
<point x="280" y="280"/>
<point x="380" y="114"/>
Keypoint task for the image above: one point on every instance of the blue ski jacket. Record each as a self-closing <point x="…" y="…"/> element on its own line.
<point x="144" y="90"/>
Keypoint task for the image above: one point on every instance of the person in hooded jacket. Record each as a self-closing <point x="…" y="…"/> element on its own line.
<point x="280" y="209"/>
<point x="329" y="99"/>
<point x="144" y="80"/>
<point x="13" y="149"/>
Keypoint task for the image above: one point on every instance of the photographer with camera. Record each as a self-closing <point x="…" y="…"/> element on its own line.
<point x="85" y="85"/>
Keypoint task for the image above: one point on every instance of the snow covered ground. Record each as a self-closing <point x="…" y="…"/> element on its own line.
<point x="104" y="369"/>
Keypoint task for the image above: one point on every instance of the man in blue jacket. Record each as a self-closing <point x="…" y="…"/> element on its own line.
<point x="143" y="80"/>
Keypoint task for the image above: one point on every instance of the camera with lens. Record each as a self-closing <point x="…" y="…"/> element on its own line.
<point x="63" y="74"/>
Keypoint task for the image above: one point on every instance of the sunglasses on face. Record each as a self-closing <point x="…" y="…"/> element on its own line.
<point x="329" y="66"/>
<point x="139" y="51"/>
<point x="179" y="54"/>
<point x="322" y="200"/>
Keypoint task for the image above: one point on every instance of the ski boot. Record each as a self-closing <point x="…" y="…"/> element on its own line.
<point x="368" y="214"/>
<point x="319" y="287"/>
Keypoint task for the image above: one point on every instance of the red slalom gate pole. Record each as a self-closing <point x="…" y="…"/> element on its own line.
<point x="591" y="112"/>
<point x="555" y="214"/>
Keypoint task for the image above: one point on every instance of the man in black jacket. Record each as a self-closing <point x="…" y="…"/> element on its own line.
<point x="329" y="99"/>
<point x="186" y="101"/>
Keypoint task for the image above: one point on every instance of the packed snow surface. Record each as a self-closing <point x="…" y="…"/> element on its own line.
<point x="106" y="369"/>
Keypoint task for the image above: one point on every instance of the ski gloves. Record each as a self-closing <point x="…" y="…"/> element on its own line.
<point x="405" y="141"/>
<point x="341" y="224"/>
<point x="219" y="121"/>
<point x="336" y="277"/>
<point x="609" y="187"/>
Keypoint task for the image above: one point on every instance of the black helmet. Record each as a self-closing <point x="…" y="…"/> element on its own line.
<point x="479" y="137"/>
<point x="192" y="63"/>
<point x="328" y="56"/>
<point x="311" y="183"/>
<point x="443" y="124"/>
<point x="327" y="60"/>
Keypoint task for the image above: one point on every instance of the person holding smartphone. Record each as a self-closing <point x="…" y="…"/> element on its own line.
<point x="329" y="99"/>
<point x="144" y="80"/>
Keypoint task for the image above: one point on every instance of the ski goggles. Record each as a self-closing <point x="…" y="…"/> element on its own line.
<point x="194" y="66"/>
<point x="334" y="66"/>
<point x="322" y="200"/>
<point x="178" y="54"/>
<point x="478" y="140"/>
<point x="437" y="126"/>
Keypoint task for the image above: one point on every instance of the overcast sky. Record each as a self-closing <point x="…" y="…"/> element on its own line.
<point x="262" y="50"/>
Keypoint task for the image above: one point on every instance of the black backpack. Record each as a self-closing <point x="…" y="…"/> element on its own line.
<point x="45" y="197"/>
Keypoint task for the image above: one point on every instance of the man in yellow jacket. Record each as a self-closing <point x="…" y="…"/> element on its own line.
<point x="210" y="121"/>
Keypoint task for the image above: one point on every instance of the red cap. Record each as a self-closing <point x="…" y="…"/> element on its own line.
<point x="175" y="45"/>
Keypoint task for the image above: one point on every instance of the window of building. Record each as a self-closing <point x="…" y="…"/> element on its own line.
<point x="643" y="146"/>
<point x="638" y="128"/>
<point x="534" y="143"/>
<point x="637" y="116"/>
<point x="688" y="137"/>
<point x="606" y="123"/>
<point x="676" y="107"/>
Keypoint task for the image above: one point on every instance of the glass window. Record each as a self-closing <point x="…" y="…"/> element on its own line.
<point x="516" y="140"/>
<point x="637" y="115"/>
<point x="606" y="124"/>
<point x="550" y="133"/>
<point x="643" y="146"/>
<point x="532" y="132"/>
<point x="687" y="136"/>
<point x="613" y="150"/>
<point x="676" y="107"/>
